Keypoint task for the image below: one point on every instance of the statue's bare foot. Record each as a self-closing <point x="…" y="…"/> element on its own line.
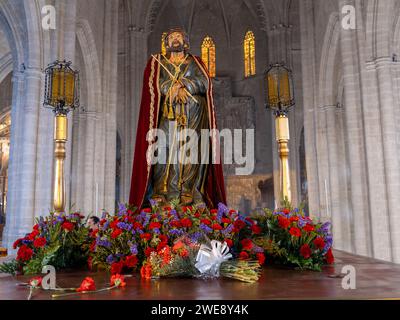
<point x="186" y="199"/>
<point x="159" y="199"/>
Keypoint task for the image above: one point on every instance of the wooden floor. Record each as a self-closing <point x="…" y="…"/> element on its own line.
<point x="375" y="280"/>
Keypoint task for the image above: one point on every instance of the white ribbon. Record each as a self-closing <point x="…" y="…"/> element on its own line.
<point x="209" y="258"/>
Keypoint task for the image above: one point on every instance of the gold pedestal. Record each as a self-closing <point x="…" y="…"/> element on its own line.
<point x="60" y="140"/>
<point x="282" y="137"/>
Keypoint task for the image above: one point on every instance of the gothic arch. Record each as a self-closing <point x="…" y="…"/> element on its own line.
<point x="92" y="66"/>
<point x="13" y="32"/>
<point x="327" y="81"/>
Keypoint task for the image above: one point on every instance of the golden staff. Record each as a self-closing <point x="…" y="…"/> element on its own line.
<point x="173" y="78"/>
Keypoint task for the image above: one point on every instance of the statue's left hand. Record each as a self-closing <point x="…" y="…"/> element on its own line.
<point x="182" y="96"/>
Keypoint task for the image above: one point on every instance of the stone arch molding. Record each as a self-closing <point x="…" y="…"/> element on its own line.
<point x="327" y="65"/>
<point x="92" y="66"/>
<point x="155" y="6"/>
<point x="13" y="31"/>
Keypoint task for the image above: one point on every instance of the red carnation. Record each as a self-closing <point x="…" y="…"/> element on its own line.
<point x="148" y="251"/>
<point x="330" y="259"/>
<point x="186" y="223"/>
<point x="163" y="238"/>
<point x="147" y="210"/>
<point x="226" y="220"/>
<point x="24" y="253"/>
<point x="305" y="251"/>
<point x="36" y="227"/>
<point x="186" y="209"/>
<point x="217" y="226"/>
<point x="161" y="246"/>
<point x="145" y="236"/>
<point x="16" y="243"/>
<point x="243" y="255"/>
<point x="247" y="244"/>
<point x="283" y="222"/>
<point x="308" y="227"/>
<point x="32" y="235"/>
<point x="256" y="229"/>
<point x="154" y="225"/>
<point x="39" y="242"/>
<point x="176" y="224"/>
<point x="295" y="232"/>
<point x="131" y="261"/>
<point x="137" y="226"/>
<point x="229" y="242"/>
<point x="294" y="218"/>
<point x="167" y="208"/>
<point x="286" y="211"/>
<point x="116" y="233"/>
<point x="213" y="211"/>
<point x="261" y="258"/>
<point x="319" y="243"/>
<point x="67" y="226"/>
<point x="116" y="267"/>
<point x="87" y="285"/>
<point x="92" y="246"/>
<point x="239" y="224"/>
<point x="205" y="221"/>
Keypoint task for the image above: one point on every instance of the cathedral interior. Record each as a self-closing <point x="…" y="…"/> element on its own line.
<point x="344" y="128"/>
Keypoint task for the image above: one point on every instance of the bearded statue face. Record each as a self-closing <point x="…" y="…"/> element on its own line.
<point x="176" y="41"/>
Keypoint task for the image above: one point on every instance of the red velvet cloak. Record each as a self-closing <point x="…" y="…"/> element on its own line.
<point x="148" y="119"/>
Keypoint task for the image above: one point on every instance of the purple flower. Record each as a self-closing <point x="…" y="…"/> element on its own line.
<point x="222" y="209"/>
<point x="133" y="248"/>
<point x="103" y="243"/>
<point x="26" y="242"/>
<point x="258" y="249"/>
<point x="156" y="231"/>
<point x="301" y="223"/>
<point x="124" y="226"/>
<point x="121" y="209"/>
<point x="110" y="259"/>
<point x="105" y="226"/>
<point x="196" y="236"/>
<point x="175" y="232"/>
<point x="205" y="228"/>
<point x="175" y="214"/>
<point x="228" y="229"/>
<point x="153" y="202"/>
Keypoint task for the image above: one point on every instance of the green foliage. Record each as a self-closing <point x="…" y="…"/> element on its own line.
<point x="9" y="267"/>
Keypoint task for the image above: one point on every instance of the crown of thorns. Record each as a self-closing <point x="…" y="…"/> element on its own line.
<point x="182" y="32"/>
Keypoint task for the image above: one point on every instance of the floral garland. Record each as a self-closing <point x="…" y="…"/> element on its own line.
<point x="131" y="240"/>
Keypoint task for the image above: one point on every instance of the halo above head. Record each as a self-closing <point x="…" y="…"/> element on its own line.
<point x="181" y="31"/>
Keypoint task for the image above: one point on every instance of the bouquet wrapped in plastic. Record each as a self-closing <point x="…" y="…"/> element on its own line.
<point x="210" y="259"/>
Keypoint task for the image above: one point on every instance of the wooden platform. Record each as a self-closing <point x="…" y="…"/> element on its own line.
<point x="375" y="280"/>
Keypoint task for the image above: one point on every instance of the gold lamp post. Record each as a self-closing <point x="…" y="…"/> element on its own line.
<point x="280" y="98"/>
<point x="62" y="96"/>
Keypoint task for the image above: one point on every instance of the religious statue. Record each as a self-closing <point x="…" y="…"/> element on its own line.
<point x="177" y="93"/>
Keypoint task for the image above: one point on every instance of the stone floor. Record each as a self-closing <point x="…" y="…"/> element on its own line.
<point x="374" y="280"/>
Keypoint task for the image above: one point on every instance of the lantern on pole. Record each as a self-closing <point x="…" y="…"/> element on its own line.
<point x="62" y="96"/>
<point x="280" y="98"/>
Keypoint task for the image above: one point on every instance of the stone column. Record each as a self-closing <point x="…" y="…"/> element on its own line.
<point x="21" y="210"/>
<point x="356" y="146"/>
<point x="138" y="58"/>
<point x="309" y="85"/>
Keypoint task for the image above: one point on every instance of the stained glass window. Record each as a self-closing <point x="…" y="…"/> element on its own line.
<point x="208" y="55"/>
<point x="249" y="46"/>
